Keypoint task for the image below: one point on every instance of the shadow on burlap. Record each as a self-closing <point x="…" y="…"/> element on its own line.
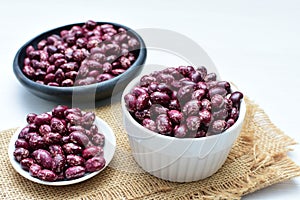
<point x="257" y="160"/>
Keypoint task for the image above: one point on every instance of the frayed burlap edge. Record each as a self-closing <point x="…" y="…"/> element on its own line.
<point x="258" y="159"/>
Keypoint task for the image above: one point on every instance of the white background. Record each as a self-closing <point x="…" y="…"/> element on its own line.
<point x="255" y="44"/>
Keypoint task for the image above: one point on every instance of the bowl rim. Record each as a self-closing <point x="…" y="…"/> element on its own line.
<point x="126" y="114"/>
<point x="69" y="90"/>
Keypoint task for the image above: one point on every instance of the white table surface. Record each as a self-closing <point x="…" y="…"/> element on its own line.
<point x="255" y="44"/>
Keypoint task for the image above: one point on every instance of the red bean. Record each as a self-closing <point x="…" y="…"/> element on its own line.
<point x="44" y="118"/>
<point x="142" y="102"/>
<point x="218" y="126"/>
<point x="180" y="131"/>
<point x="71" y="148"/>
<point x="79" y="138"/>
<point x="36" y="142"/>
<point x="74" y="119"/>
<point x="130" y="101"/>
<point x="206" y="104"/>
<point x="30" y="118"/>
<point x="74" y="172"/>
<point x="43" y="158"/>
<point x="58" y="163"/>
<point x="44" y="129"/>
<point x="52" y="138"/>
<point x="104" y="77"/>
<point x="26" y="163"/>
<point x="210" y="77"/>
<point x="175" y="116"/>
<point x="149" y="124"/>
<point x="58" y="125"/>
<point x="160" y="98"/>
<point x="94" y="164"/>
<point x="21" y="153"/>
<point x="47" y="175"/>
<point x="21" y="143"/>
<point x="94" y="129"/>
<point x="193" y="123"/>
<point x="198" y="94"/>
<point x="190" y="92"/>
<point x="29" y="71"/>
<point x="55" y="149"/>
<point x="185" y="93"/>
<point x="34" y="170"/>
<point x="74" y="160"/>
<point x="164" y="125"/>
<point x="92" y="151"/>
<point x="205" y="116"/>
<point x="88" y="119"/>
<point x="217" y="102"/>
<point x="192" y="107"/>
<point x="98" y="139"/>
<point x="236" y="98"/>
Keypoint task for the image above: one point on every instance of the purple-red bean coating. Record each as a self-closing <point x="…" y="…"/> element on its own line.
<point x="74" y="172"/>
<point x="184" y="102"/>
<point x="21" y="153"/>
<point x="34" y="169"/>
<point x="74" y="160"/>
<point x="58" y="55"/>
<point x="26" y="163"/>
<point x="95" y="164"/>
<point x="46" y="175"/>
<point x="56" y="149"/>
<point x="43" y="158"/>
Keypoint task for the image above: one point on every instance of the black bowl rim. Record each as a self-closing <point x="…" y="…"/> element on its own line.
<point x="80" y="89"/>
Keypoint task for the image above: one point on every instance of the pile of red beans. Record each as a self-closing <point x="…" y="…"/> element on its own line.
<point x="61" y="145"/>
<point x="184" y="102"/>
<point x="82" y="55"/>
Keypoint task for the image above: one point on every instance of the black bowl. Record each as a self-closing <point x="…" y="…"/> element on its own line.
<point x="96" y="91"/>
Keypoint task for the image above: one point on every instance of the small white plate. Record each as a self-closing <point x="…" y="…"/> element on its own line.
<point x="109" y="150"/>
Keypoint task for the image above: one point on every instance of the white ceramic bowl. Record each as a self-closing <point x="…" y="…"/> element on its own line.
<point x="109" y="150"/>
<point x="178" y="159"/>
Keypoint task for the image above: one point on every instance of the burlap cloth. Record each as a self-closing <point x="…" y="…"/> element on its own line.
<point x="257" y="160"/>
